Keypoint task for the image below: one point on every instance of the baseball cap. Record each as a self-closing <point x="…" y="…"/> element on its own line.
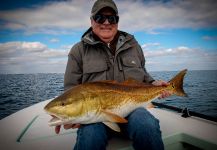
<point x="99" y="4"/>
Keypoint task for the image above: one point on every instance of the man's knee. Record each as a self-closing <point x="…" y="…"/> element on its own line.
<point x="92" y="136"/>
<point x="142" y="115"/>
<point x="143" y="128"/>
<point x="142" y="121"/>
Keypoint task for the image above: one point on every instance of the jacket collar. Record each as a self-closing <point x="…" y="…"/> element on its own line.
<point x="88" y="37"/>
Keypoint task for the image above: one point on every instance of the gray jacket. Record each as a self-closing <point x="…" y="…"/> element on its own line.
<point x="91" y="60"/>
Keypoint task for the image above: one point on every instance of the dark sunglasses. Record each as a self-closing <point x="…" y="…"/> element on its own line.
<point x="99" y="18"/>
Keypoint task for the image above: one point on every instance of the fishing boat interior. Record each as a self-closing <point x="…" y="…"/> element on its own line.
<point x="181" y="130"/>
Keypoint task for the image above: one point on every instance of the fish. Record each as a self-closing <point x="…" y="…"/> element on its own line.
<point x="107" y="101"/>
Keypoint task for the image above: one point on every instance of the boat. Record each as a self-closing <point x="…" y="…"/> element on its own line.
<point x="28" y="129"/>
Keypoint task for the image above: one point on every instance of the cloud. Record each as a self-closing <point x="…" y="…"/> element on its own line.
<point x="148" y="45"/>
<point x="210" y="38"/>
<point x="31" y="57"/>
<point x="36" y="57"/>
<point x="152" y="15"/>
<point x="179" y="58"/>
<point x="50" y="18"/>
<point x="54" y="40"/>
<point x="68" y="16"/>
<point x="181" y="50"/>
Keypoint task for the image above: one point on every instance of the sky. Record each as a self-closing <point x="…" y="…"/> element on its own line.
<point x="36" y="35"/>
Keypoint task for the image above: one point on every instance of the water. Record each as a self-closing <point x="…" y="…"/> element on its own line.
<point x="201" y="88"/>
<point x="18" y="91"/>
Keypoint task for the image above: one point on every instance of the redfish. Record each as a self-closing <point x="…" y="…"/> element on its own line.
<point x="107" y="101"/>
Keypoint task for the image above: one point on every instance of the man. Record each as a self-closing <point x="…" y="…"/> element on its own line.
<point x="105" y="53"/>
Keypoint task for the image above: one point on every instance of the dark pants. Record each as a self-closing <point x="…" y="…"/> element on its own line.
<point x="142" y="128"/>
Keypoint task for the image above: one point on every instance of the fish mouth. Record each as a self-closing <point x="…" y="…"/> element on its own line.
<point x="55" y="121"/>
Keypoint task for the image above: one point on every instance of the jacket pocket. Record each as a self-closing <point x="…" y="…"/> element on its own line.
<point x="132" y="68"/>
<point x="131" y="61"/>
<point x="94" y="70"/>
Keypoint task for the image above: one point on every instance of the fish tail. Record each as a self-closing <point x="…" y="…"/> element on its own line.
<point x="177" y="83"/>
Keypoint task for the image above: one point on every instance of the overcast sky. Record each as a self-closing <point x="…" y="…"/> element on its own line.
<point x="36" y="36"/>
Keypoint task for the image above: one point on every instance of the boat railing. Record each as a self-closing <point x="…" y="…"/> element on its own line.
<point x="185" y="112"/>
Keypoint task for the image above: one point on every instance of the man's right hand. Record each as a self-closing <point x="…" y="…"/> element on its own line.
<point x="66" y="126"/>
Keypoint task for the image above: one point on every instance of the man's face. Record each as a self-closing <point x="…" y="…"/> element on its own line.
<point x="105" y="31"/>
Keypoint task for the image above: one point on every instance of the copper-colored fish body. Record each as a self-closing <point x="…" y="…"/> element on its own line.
<point x="107" y="101"/>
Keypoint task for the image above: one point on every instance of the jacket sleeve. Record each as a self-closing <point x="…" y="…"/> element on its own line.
<point x="73" y="72"/>
<point x="147" y="77"/>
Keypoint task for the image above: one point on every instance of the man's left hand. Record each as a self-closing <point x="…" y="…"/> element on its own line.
<point x="164" y="94"/>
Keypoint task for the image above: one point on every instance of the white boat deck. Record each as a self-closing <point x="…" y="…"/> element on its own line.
<point x="28" y="129"/>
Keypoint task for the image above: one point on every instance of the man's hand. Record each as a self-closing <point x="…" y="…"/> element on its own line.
<point x="164" y="94"/>
<point x="66" y="126"/>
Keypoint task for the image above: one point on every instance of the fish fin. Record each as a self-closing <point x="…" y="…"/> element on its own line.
<point x="131" y="81"/>
<point x="150" y="105"/>
<point x="177" y="83"/>
<point x="107" y="81"/>
<point x="113" y="117"/>
<point x="134" y="82"/>
<point x="113" y="126"/>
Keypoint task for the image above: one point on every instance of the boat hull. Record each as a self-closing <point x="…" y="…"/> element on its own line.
<point x="29" y="129"/>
